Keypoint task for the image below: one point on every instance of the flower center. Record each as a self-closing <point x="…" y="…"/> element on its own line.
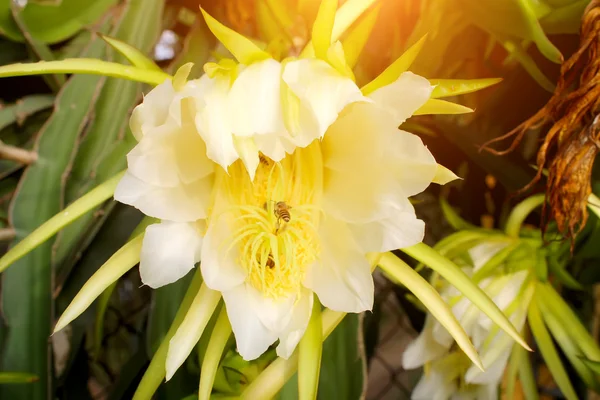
<point x="275" y="219"/>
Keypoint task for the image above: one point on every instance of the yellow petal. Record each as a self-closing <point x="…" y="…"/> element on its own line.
<point x="181" y="76"/>
<point x="242" y="48"/>
<point x="357" y="38"/>
<point x="192" y="327"/>
<point x="436" y="106"/>
<point x="323" y="27"/>
<point x="214" y="351"/>
<point x="345" y="16"/>
<point x="393" y="72"/>
<point x="443" y="175"/>
<point x="310" y="351"/>
<point x="453" y="87"/>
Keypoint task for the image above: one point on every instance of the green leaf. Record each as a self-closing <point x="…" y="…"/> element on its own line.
<point x="520" y="212"/>
<point x="453" y="218"/>
<point x="52" y="24"/>
<point x="310" y="350"/>
<point x="551" y="357"/>
<point x="135" y="56"/>
<point x="214" y="352"/>
<point x="17" y="377"/>
<point x="90" y="66"/>
<point x="454" y="87"/>
<point x="572" y="324"/>
<point x="432" y="300"/>
<point x="526" y="376"/>
<point x="559" y="271"/>
<point x="569" y="346"/>
<point x="121" y="262"/>
<point x="393" y="72"/>
<point x="155" y="374"/>
<point x="512" y="370"/>
<point x="27" y="288"/>
<point x="27" y="106"/>
<point x="494" y="262"/>
<point x="40" y="50"/>
<point x="95" y="197"/>
<point x="456" y="277"/>
<point x="197" y="47"/>
<point x="344" y="365"/>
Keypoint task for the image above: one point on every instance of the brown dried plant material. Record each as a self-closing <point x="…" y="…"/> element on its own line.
<point x="572" y="142"/>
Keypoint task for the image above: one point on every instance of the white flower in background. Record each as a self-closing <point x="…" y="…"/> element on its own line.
<point x="346" y="194"/>
<point x="448" y="373"/>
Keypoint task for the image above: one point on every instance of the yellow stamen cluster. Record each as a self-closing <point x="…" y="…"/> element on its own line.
<point x="275" y="250"/>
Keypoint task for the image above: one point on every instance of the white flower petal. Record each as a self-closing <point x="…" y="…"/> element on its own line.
<point x="182" y="203"/>
<point x="434" y="386"/>
<point x="424" y="348"/>
<point x="290" y="337"/>
<point x="401" y="229"/>
<point x="483" y="252"/>
<point x="169" y="155"/>
<point x="254" y="100"/>
<point x="169" y="251"/>
<point x="213" y="120"/>
<point x="410" y="162"/>
<point x="342" y="276"/>
<point x="153" y="111"/>
<point x="251" y="336"/>
<point x="403" y="97"/>
<point x="220" y="268"/>
<point x="248" y="152"/>
<point x="322" y="90"/>
<point x="275" y="315"/>
<point x="353" y="155"/>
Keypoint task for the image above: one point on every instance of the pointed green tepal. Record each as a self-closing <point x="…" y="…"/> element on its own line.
<point x="393" y="72"/>
<point x="242" y="48"/>
<point x="323" y="27"/>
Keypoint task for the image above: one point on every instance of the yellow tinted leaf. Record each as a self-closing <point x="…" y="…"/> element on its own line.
<point x="242" y="48"/>
<point x="453" y="87"/>
<point x="436" y="106"/>
<point x="135" y="56"/>
<point x="393" y="72"/>
<point x="357" y="38"/>
<point x="323" y="27"/>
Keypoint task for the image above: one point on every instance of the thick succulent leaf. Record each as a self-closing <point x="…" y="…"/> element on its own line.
<point x="25" y="107"/>
<point x="52" y="23"/>
<point x="27" y="287"/>
<point x="107" y="141"/>
<point x="17" y="377"/>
